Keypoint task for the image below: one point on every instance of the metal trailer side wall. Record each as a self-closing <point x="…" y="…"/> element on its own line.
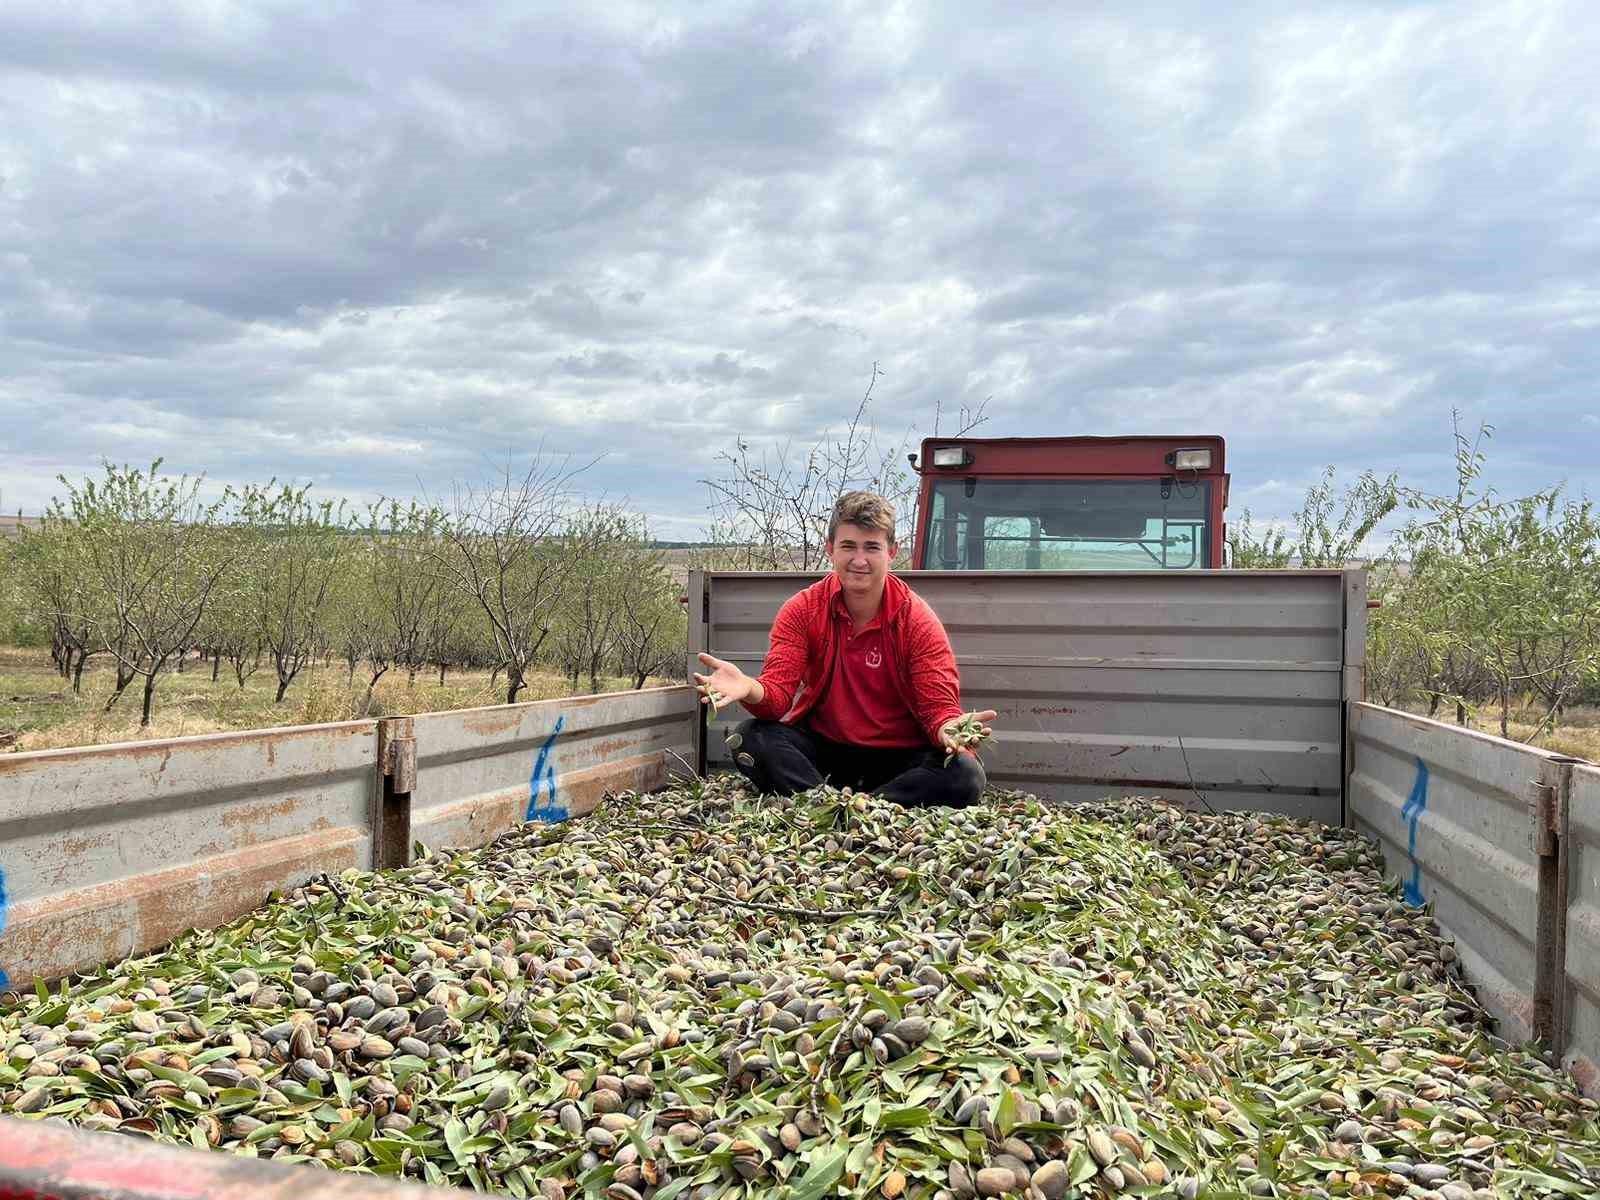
<point x="1226" y="683"/>
<point x="1449" y="808"/>
<point x="49" y="1160"/>
<point x="482" y="770"/>
<point x="111" y="850"/>
<point x="1503" y="841"/>
<point x="1580" y="1009"/>
<point x="115" y="850"/>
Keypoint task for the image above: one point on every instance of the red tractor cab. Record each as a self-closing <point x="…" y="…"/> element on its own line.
<point x="1070" y="504"/>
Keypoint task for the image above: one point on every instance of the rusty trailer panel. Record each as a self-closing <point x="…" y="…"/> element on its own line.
<point x="1580" y="1009"/>
<point x="1226" y="685"/>
<point x="481" y="771"/>
<point x="49" y="1160"/>
<point x="113" y="850"/>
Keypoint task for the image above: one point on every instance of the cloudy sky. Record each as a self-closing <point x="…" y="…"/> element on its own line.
<point x="379" y="247"/>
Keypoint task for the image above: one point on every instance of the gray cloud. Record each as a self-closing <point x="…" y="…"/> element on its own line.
<point x="374" y="253"/>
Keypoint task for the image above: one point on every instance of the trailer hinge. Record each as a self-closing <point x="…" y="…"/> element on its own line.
<point x="1547" y="821"/>
<point x="400" y="763"/>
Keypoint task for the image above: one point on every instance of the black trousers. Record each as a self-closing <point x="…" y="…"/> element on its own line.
<point x="785" y="759"/>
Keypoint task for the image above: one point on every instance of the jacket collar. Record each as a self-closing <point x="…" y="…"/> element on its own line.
<point x="896" y="594"/>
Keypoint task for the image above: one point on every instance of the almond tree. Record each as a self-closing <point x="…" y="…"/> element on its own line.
<point x="52" y="586"/>
<point x="1328" y="532"/>
<point x="229" y="631"/>
<point x="603" y="546"/>
<point x="652" y="628"/>
<point x="771" y="505"/>
<point x="397" y="591"/>
<point x="295" y="557"/>
<point x="504" y="549"/>
<point x="149" y="552"/>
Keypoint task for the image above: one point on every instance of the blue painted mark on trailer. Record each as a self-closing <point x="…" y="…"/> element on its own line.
<point x="1416" y="804"/>
<point x="5" y="980"/>
<point x="543" y="780"/>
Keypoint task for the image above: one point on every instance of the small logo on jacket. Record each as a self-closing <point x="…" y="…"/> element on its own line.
<point x="874" y="659"/>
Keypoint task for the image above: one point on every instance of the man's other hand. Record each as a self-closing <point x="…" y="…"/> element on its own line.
<point x="947" y="737"/>
<point x="728" y="681"/>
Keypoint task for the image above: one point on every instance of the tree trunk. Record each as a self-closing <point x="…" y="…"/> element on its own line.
<point x="283" y="686"/>
<point x="441" y="674"/>
<point x="124" y="678"/>
<point x="1505" y="710"/>
<point x="638" y="680"/>
<point x="366" y="702"/>
<point x="411" y="677"/>
<point x="216" y="666"/>
<point x="182" y="654"/>
<point x="350" y="679"/>
<point x="149" y="692"/>
<point x="1433" y="703"/>
<point x="77" y="674"/>
<point x="1461" y="713"/>
<point x="514" y="685"/>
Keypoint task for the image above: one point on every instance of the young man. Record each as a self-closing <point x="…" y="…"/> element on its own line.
<point x="860" y="686"/>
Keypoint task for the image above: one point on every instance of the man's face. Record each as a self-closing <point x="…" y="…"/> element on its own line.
<point x="860" y="558"/>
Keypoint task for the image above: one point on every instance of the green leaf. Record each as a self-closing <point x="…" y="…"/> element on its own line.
<point x="1005" y="1113"/>
<point x="885" y="1001"/>
<point x="53" y="1015"/>
<point x="455" y="1137"/>
<point x="907" y="1118"/>
<point x="1081" y="1166"/>
<point x="1540" y="1180"/>
<point x="190" y="1083"/>
<point x="820" y="1177"/>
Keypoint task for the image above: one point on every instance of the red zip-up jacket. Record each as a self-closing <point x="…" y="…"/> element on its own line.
<point x="803" y="650"/>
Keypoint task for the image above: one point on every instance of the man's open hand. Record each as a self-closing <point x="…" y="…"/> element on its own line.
<point x="728" y="682"/>
<point x="953" y="741"/>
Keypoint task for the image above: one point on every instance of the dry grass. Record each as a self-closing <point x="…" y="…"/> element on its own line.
<point x="1578" y="734"/>
<point x="39" y="712"/>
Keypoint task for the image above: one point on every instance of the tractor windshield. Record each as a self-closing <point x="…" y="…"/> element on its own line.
<point x="1068" y="525"/>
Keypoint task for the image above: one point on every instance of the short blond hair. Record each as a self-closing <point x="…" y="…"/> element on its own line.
<point x="868" y="510"/>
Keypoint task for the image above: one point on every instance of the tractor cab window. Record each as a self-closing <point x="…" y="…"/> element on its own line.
<point x="1069" y="525"/>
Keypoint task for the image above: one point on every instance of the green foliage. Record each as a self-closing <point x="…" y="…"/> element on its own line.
<point x="290" y="554"/>
<point x="1481" y="599"/>
<point x="145" y="570"/>
<point x="140" y="563"/>
<point x="1330" y="530"/>
<point x="1488" y="599"/>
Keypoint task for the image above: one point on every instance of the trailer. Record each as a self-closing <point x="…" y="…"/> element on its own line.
<point x="1239" y="690"/>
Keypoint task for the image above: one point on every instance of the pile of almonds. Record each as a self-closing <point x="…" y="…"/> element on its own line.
<point x="704" y="992"/>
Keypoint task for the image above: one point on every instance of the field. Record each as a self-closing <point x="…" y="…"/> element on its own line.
<point x="1577" y="735"/>
<point x="39" y="712"/>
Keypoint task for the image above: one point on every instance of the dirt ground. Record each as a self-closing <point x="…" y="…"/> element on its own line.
<point x="38" y="710"/>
